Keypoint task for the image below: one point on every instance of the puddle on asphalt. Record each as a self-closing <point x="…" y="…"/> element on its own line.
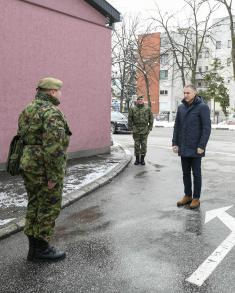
<point x="87" y="215"/>
<point x="157" y="166"/>
<point x="141" y="174"/>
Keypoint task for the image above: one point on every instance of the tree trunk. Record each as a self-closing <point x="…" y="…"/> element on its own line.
<point x="233" y="54"/>
<point x="232" y="36"/>
<point x="147" y="90"/>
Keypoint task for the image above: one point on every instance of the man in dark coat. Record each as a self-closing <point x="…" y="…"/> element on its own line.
<point x="191" y="133"/>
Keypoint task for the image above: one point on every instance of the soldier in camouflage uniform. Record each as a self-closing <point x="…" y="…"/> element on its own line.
<point x="140" y="120"/>
<point x="43" y="166"/>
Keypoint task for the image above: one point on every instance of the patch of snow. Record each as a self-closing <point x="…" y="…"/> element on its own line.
<point x="163" y="123"/>
<point x="4" y="222"/>
<point x="9" y="200"/>
<point x="70" y="183"/>
<point x="9" y="197"/>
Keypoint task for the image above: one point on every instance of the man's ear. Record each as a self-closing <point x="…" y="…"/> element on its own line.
<point x="52" y="92"/>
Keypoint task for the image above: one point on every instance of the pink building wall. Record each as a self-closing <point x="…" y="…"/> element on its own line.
<point x="37" y="42"/>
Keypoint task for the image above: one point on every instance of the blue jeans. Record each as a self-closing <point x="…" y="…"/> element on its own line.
<point x="193" y="164"/>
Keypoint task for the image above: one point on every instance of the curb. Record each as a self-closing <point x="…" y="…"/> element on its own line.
<point x="70" y="198"/>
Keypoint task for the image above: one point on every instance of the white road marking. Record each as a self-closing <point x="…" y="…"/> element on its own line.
<point x="209" y="265"/>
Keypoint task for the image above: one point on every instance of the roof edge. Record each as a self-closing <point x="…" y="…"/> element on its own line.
<point x="106" y="9"/>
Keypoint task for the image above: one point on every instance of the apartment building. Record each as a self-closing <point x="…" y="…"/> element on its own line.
<point x="216" y="45"/>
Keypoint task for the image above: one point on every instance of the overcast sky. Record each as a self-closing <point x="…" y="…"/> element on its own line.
<point x="146" y="6"/>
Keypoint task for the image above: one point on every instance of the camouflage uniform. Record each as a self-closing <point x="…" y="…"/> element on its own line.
<point x="140" y="120"/>
<point x="43" y="160"/>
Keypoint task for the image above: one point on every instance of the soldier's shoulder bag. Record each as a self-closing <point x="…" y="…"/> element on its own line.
<point x="14" y="155"/>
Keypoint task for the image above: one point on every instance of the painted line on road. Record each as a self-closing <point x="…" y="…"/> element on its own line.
<point x="210" y="264"/>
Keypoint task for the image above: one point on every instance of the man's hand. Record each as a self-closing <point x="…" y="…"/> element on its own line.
<point x="200" y="151"/>
<point x="51" y="184"/>
<point x="175" y="149"/>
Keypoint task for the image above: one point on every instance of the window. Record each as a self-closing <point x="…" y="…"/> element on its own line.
<point x="206" y="68"/>
<point x="200" y="69"/>
<point x="200" y="56"/>
<point x="228" y="80"/>
<point x="228" y="61"/>
<point x="200" y="83"/>
<point x="207" y="54"/>
<point x="163" y="92"/>
<point x="229" y="43"/>
<point x="164" y="59"/>
<point x="163" y="74"/>
<point x="218" y="45"/>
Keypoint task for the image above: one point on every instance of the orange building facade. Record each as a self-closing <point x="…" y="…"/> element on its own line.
<point x="149" y="58"/>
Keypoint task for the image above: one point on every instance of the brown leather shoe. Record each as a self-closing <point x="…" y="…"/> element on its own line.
<point x="185" y="200"/>
<point x="195" y="203"/>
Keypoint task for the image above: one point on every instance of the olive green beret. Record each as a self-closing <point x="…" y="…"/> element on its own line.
<point x="140" y="97"/>
<point x="50" y="83"/>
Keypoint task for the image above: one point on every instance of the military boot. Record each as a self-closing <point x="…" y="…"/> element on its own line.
<point x="195" y="203"/>
<point x="31" y="247"/>
<point x="142" y="160"/>
<point x="44" y="252"/>
<point x="185" y="200"/>
<point x="137" y="160"/>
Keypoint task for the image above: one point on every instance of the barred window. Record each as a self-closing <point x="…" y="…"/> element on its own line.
<point x="164" y="92"/>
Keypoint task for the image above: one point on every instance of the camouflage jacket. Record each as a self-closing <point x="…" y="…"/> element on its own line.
<point x="140" y="119"/>
<point x="46" y="138"/>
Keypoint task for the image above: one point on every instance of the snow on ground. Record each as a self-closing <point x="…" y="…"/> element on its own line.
<point x="163" y="123"/>
<point x="8" y="199"/>
<point x="13" y="194"/>
<point x="71" y="182"/>
<point x="4" y="222"/>
<point x="221" y="125"/>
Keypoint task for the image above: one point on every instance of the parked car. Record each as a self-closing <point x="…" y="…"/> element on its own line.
<point x="119" y="123"/>
<point x="231" y="119"/>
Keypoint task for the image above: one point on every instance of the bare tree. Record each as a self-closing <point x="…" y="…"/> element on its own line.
<point x="134" y="52"/>
<point x="228" y="5"/>
<point x="123" y="73"/>
<point x="187" y="41"/>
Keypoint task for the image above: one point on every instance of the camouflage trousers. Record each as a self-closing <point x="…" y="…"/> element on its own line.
<point x="140" y="143"/>
<point x="43" y="208"/>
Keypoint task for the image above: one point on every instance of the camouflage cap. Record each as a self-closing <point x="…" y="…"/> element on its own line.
<point x="140" y="97"/>
<point x="50" y="83"/>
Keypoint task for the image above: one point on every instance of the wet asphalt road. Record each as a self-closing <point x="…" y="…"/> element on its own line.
<point x="129" y="236"/>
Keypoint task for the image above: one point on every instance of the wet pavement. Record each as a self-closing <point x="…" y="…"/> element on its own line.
<point x="83" y="175"/>
<point x="129" y="236"/>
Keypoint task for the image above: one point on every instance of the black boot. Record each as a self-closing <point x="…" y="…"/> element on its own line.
<point x="137" y="160"/>
<point x="142" y="160"/>
<point x="44" y="252"/>
<point x="31" y="247"/>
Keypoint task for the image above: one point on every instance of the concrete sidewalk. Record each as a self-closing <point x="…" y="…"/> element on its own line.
<point x="83" y="176"/>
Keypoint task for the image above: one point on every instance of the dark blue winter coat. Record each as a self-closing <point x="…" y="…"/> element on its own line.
<point x="192" y="128"/>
